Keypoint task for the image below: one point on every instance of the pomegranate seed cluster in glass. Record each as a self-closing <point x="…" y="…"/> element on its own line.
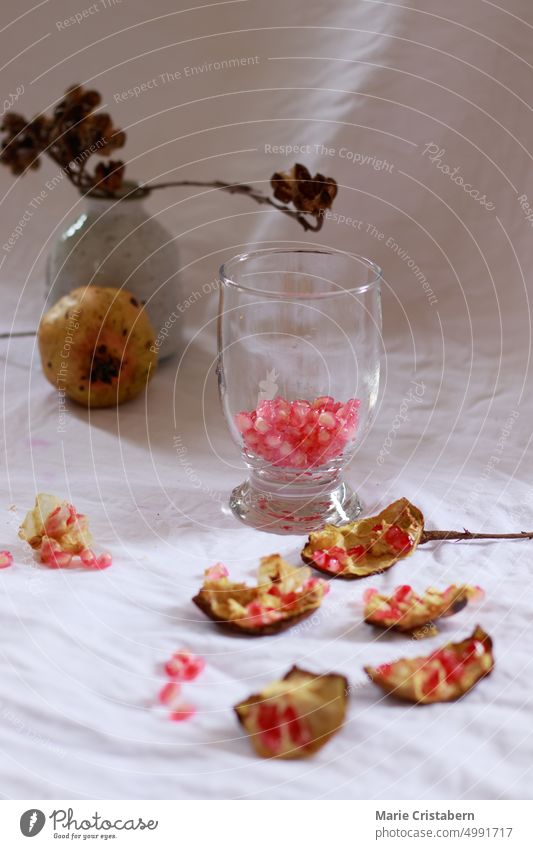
<point x="299" y="434"/>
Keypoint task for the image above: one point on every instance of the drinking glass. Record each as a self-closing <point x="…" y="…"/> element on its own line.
<point x="299" y="334"/>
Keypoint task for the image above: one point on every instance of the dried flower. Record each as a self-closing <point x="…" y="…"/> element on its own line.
<point x="312" y="195"/>
<point x="70" y="136"/>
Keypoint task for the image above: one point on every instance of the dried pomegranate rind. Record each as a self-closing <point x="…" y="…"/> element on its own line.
<point x="408" y="612"/>
<point x="58" y="520"/>
<point x="367" y="546"/>
<point x="296" y="716"/>
<point x="284" y="595"/>
<point x="443" y="676"/>
<point x="58" y="532"/>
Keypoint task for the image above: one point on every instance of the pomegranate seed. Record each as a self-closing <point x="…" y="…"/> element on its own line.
<point x="88" y="558"/>
<point x="451" y="664"/>
<point x="377" y="528"/>
<point x="290" y="599"/>
<point x="169" y="693"/>
<point x="104" y="561"/>
<point x="297" y="731"/>
<point x="184" y="666"/>
<point x="6" y="559"/>
<point x="369" y="594"/>
<point x="327" y="420"/>
<point x="356" y="551"/>
<point x="58" y="559"/>
<point x="183" y="713"/>
<point x="244" y="422"/>
<point x="431" y="682"/>
<point x="475" y="648"/>
<point x="217" y="572"/>
<point x="320" y="558"/>
<point x="384" y="669"/>
<point x="268" y="722"/>
<point x="398" y="539"/>
<point x="315" y="583"/>
<point x="402" y="593"/>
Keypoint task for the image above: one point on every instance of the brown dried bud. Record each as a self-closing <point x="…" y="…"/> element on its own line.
<point x="109" y="176"/>
<point x="308" y="194"/>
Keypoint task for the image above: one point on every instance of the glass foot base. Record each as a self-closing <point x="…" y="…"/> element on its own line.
<point x="300" y="513"/>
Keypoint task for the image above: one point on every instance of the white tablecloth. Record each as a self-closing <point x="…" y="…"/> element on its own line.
<point x="81" y="653"/>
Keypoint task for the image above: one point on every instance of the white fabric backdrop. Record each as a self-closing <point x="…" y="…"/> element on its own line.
<point x="81" y="654"/>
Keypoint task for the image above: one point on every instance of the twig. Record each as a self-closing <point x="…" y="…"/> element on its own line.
<point x="429" y="536"/>
<point x="243" y="189"/>
<point x="18" y="333"/>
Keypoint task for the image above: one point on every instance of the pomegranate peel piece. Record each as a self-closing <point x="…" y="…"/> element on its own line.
<point x="58" y="532"/>
<point x="443" y="676"/>
<point x="56" y="520"/>
<point x="408" y="612"/>
<point x="368" y="546"/>
<point x="296" y="716"/>
<point x="283" y="596"/>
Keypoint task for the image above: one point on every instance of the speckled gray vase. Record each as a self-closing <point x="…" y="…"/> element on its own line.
<point x="118" y="243"/>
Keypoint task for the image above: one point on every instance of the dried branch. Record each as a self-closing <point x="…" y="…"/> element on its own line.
<point x="430" y="536"/>
<point x="243" y="189"/>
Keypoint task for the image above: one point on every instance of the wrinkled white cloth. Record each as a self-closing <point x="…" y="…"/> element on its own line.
<point x="400" y="95"/>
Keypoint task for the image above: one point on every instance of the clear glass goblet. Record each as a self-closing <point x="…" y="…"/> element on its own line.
<point x="298" y="369"/>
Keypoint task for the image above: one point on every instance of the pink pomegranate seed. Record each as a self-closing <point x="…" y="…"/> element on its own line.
<point x="356" y="551"/>
<point x="6" y="559"/>
<point x="327" y="420"/>
<point x="321" y="558"/>
<point x="183" y="713"/>
<point x="88" y="558"/>
<point x="431" y="682"/>
<point x="451" y="664"/>
<point x="170" y="693"/>
<point x="384" y="669"/>
<point x="316" y="583"/>
<point x="402" y="593"/>
<point x="323" y="401"/>
<point x="268" y="723"/>
<point x="58" y="559"/>
<point x="184" y="666"/>
<point x="475" y="648"/>
<point x="398" y="539"/>
<point x="369" y="594"/>
<point x="104" y="561"/>
<point x="217" y="572"/>
<point x="336" y="551"/>
<point x="244" y="422"/>
<point x="290" y="599"/>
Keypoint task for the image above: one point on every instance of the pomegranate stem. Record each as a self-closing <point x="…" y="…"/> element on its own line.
<point x="429" y="536"/>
